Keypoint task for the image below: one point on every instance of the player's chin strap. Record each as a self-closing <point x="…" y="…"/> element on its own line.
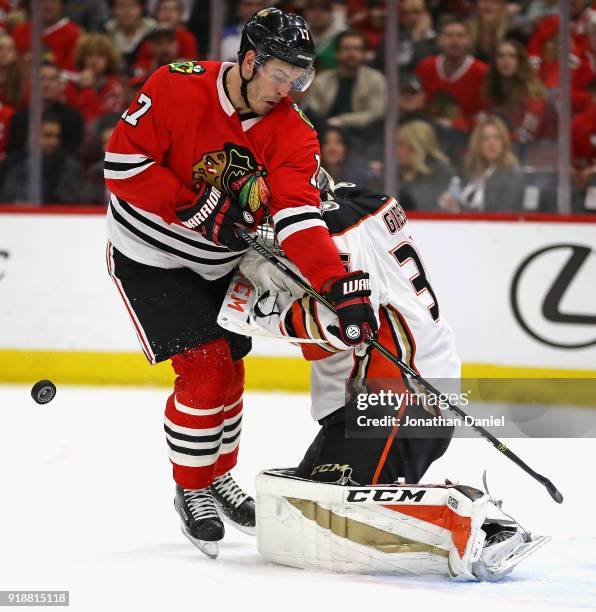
<point x="244" y="82"/>
<point x="244" y="87"/>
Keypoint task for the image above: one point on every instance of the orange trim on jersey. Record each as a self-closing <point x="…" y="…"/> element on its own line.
<point x="389" y="201"/>
<point x="388" y="445"/>
<point x="298" y="320"/>
<point x="442" y="516"/>
<point x="379" y="366"/>
<point x="314" y="352"/>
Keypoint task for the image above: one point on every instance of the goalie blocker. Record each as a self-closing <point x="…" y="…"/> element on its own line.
<point x="450" y="530"/>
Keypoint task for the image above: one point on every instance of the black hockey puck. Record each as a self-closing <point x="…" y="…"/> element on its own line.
<point x="43" y="391"/>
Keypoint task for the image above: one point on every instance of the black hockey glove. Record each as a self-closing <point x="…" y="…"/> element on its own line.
<point x="350" y="296"/>
<point x="213" y="214"/>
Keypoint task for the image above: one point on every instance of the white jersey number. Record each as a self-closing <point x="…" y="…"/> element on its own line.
<point x="144" y="102"/>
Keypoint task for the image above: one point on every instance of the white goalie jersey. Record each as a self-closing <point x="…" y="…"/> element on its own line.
<point x="371" y="233"/>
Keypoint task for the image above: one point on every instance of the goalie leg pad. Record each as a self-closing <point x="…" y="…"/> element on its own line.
<point x="392" y="529"/>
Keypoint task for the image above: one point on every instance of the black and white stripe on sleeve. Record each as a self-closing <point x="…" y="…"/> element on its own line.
<point x="288" y="221"/>
<point x="124" y="165"/>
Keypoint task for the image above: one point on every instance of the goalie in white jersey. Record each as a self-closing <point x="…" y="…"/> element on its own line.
<point x="341" y="509"/>
<point x="371" y="233"/>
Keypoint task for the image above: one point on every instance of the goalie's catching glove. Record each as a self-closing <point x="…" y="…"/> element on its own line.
<point x="214" y="214"/>
<point x="350" y="296"/>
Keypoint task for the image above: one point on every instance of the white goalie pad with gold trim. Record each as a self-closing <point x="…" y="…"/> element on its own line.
<point x="393" y="529"/>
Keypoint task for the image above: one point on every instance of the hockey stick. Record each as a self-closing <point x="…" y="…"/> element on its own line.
<point x="270" y="256"/>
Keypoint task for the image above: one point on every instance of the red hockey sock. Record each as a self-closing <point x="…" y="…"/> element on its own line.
<point x="232" y="422"/>
<point x="194" y="416"/>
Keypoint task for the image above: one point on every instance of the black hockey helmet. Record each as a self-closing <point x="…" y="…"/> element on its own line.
<point x="272" y="33"/>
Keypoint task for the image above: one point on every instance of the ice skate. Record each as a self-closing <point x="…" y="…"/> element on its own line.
<point x="505" y="546"/>
<point x="236" y="506"/>
<point x="199" y="519"/>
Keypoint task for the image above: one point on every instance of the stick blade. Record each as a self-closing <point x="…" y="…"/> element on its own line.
<point x="553" y="491"/>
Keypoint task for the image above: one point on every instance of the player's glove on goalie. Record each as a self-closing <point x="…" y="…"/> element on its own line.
<point x="350" y="296"/>
<point x="214" y="214"/>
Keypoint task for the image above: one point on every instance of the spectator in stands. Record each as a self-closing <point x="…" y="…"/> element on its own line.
<point x="60" y="35"/>
<point x="61" y="172"/>
<point x="90" y="15"/>
<point x="412" y="100"/>
<point x="424" y="171"/>
<point x="12" y="77"/>
<point x="98" y="88"/>
<point x="494" y="179"/>
<point x="417" y="39"/>
<point x="162" y="49"/>
<point x="338" y="159"/>
<point x="230" y="43"/>
<point x="94" y="187"/>
<point x="514" y="92"/>
<point x="586" y="72"/>
<point x="454" y="71"/>
<point x="71" y="121"/>
<point x="128" y="27"/>
<point x="186" y="7"/>
<point x="352" y="96"/>
<point x="441" y="113"/>
<point x="368" y="17"/>
<point x="583" y="139"/>
<point x="169" y="16"/>
<point x="11" y="13"/>
<point x="543" y="44"/>
<point x="325" y="24"/>
<point x="488" y="26"/>
<point x="6" y="113"/>
<point x="459" y="8"/>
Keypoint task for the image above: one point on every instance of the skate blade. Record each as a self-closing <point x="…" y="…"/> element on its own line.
<point x="251" y="531"/>
<point x="211" y="549"/>
<point x="523" y="551"/>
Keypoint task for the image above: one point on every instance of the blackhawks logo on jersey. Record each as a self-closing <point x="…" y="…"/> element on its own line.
<point x="235" y="170"/>
<point x="186" y="68"/>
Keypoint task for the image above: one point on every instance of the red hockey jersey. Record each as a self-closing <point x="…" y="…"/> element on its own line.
<point x="182" y="130"/>
<point x="61" y="38"/>
<point x="465" y="85"/>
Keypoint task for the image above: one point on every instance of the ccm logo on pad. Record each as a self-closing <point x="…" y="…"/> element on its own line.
<point x="384" y="495"/>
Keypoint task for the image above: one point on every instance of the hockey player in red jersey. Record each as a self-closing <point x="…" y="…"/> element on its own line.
<point x="206" y="146"/>
<point x="454" y="71"/>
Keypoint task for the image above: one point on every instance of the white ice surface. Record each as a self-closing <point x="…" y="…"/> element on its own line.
<point x="86" y="505"/>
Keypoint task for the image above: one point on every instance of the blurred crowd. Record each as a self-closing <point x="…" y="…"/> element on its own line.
<point x="478" y="101"/>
